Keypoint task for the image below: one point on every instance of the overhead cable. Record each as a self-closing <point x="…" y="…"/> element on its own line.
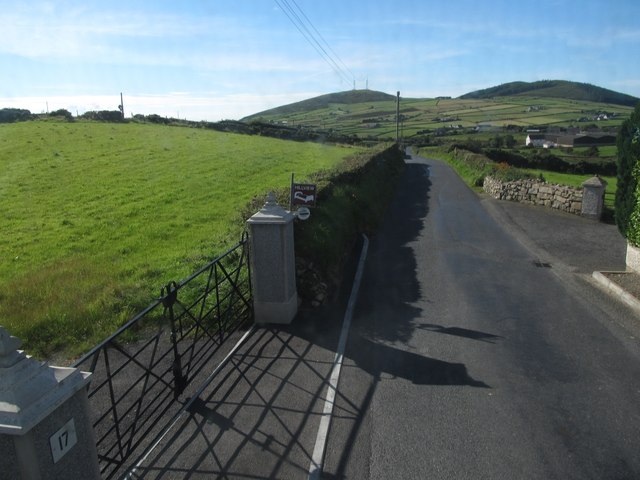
<point x="323" y="40"/>
<point x="309" y="36"/>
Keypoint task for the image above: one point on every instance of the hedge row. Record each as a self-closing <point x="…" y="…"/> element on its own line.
<point x="351" y="199"/>
<point x="628" y="194"/>
<point x="546" y="161"/>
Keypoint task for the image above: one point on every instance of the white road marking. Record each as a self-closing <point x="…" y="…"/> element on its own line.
<point x="315" y="468"/>
<point x="132" y="474"/>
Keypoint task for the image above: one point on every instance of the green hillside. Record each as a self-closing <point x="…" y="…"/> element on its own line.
<point x="96" y="217"/>
<point x="556" y="89"/>
<point x="349" y="97"/>
<point x="375" y="116"/>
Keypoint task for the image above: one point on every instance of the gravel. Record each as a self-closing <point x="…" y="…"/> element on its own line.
<point x="629" y="281"/>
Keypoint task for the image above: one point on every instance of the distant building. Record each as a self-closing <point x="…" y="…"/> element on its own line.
<point x="594" y="139"/>
<point x="542" y="140"/>
<point x="487" y="127"/>
<point x="548" y="140"/>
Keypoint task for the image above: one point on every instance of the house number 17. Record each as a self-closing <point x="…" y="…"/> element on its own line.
<point x="63" y="440"/>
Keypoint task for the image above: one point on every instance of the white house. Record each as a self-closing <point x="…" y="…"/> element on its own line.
<point x="540" y="140"/>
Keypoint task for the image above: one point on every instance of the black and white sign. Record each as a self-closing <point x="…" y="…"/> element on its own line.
<point x="303" y="194"/>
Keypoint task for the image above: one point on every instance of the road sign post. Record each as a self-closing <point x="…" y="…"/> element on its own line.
<point x="303" y="194"/>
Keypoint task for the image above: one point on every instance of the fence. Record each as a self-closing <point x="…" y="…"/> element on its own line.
<point x="143" y="369"/>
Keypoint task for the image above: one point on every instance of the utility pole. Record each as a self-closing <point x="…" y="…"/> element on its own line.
<point x="398" y="119"/>
<point x="121" y="106"/>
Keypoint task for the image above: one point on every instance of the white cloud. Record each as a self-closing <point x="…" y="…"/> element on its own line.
<point x="83" y="34"/>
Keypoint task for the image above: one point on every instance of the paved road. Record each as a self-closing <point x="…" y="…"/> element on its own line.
<point x="479" y="349"/>
<point x="476" y="354"/>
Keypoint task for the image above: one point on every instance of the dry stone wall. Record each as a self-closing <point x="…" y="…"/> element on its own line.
<point x="534" y="192"/>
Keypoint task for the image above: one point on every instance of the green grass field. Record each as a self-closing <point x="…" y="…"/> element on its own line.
<point x="97" y="217"/>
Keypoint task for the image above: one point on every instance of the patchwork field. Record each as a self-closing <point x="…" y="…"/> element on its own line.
<point x="97" y="217"/>
<point x="377" y="119"/>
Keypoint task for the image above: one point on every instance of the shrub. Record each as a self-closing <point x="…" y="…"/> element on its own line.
<point x="626" y="202"/>
<point x="544" y="160"/>
<point x="66" y="114"/>
<point x="9" y="115"/>
<point x="103" y="115"/>
<point x="506" y="173"/>
<point x="469" y="144"/>
<point x="510" y="141"/>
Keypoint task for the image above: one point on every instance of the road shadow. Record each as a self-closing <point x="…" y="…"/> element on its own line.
<point x="259" y="417"/>
<point x="387" y="315"/>
<point x="390" y="284"/>
<point x="256" y="419"/>
<point x="460" y="332"/>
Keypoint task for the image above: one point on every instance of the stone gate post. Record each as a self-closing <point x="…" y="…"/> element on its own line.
<point x="275" y="298"/>
<point x="45" y="426"/>
<point x="593" y="197"/>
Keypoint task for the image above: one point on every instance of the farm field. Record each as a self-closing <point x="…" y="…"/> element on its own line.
<point x="377" y="119"/>
<point x="97" y="217"/>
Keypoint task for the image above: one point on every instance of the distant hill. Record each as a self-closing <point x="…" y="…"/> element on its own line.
<point x="368" y="114"/>
<point x="555" y="89"/>
<point x="323" y="101"/>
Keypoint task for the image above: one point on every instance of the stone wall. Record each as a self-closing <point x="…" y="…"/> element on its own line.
<point x="535" y="192"/>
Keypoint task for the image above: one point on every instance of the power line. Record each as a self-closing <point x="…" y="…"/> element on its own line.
<point x="308" y="35"/>
<point x="322" y="38"/>
<point x="297" y="21"/>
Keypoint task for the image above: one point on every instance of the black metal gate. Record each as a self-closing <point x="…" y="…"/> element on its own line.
<point x="143" y="369"/>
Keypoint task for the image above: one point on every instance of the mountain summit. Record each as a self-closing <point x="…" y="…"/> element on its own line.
<point x="323" y="101"/>
<point x="555" y="89"/>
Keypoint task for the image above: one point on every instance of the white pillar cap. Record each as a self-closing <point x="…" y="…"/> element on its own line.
<point x="29" y="389"/>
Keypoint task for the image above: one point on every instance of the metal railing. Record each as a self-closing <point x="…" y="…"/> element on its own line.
<point x="141" y="371"/>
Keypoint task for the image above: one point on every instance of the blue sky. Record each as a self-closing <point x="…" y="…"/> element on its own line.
<point x="217" y="59"/>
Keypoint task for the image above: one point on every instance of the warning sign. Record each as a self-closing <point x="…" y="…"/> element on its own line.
<point x="303" y="194"/>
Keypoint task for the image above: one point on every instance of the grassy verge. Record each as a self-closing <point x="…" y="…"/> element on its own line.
<point x="97" y="217"/>
<point x="471" y="172"/>
<point x="474" y="167"/>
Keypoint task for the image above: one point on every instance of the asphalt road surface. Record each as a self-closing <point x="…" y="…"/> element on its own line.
<point x="471" y="356"/>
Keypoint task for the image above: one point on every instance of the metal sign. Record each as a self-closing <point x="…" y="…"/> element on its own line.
<point x="303" y="213"/>
<point x="303" y="194"/>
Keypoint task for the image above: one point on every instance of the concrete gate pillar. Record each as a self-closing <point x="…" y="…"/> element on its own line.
<point x="45" y="426"/>
<point x="275" y="298"/>
<point x="593" y="197"/>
